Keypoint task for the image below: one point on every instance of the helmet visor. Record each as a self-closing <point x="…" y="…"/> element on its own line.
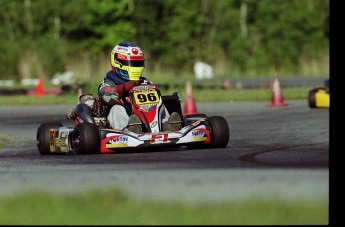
<point x="135" y="61"/>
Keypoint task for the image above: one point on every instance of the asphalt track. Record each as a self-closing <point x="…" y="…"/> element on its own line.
<point x="280" y="152"/>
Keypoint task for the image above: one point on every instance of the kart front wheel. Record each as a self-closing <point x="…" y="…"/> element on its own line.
<point x="43" y="135"/>
<point x="85" y="138"/>
<point x="220" y="132"/>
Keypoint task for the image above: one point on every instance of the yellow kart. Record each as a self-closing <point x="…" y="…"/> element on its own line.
<point x="319" y="97"/>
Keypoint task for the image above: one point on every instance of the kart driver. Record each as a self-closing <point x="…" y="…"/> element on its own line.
<point x="127" y="64"/>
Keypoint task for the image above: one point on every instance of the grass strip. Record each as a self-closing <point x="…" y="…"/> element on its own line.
<point x="113" y="207"/>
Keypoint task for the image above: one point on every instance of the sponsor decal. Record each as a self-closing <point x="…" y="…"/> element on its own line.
<point x="136" y="58"/>
<point x="199" y="139"/>
<point x="108" y="89"/>
<point x="197" y="122"/>
<point x="61" y="144"/>
<point x="117" y="141"/>
<point x="147" y="108"/>
<point x="116" y="145"/>
<point x="59" y="141"/>
<point x="122" y="57"/>
<point x="154" y="124"/>
<point x="198" y="133"/>
<point x="159" y="138"/>
<point x="122" y="48"/>
<point x="144" y="87"/>
<point x="201" y="135"/>
<point x="135" y="51"/>
<point x="63" y="133"/>
<point x="52" y="136"/>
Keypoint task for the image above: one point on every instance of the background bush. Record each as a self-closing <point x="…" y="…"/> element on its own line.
<point x="240" y="38"/>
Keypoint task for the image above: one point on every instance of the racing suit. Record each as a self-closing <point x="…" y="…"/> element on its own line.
<point x="112" y="91"/>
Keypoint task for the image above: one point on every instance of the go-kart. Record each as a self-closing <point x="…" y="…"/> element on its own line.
<point x="91" y="132"/>
<point x="319" y="97"/>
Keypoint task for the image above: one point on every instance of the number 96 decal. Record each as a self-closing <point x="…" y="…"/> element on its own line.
<point x="146" y="96"/>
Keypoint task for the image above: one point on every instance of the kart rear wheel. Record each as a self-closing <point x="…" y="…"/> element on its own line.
<point x="220" y="132"/>
<point x="42" y="136"/>
<point x="312" y="98"/>
<point x="85" y="138"/>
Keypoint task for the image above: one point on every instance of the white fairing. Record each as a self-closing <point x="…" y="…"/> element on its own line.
<point x="118" y="140"/>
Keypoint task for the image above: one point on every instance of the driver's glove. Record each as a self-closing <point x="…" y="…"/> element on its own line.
<point x="123" y="89"/>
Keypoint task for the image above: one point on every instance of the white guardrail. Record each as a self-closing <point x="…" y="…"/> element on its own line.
<point x="11" y="83"/>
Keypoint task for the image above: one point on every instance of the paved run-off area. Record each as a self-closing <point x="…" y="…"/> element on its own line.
<point x="274" y="152"/>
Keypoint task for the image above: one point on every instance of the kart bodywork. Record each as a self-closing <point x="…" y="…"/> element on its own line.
<point x="319" y="97"/>
<point x="91" y="134"/>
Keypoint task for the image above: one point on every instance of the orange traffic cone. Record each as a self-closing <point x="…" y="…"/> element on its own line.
<point x="39" y="88"/>
<point x="189" y="104"/>
<point x="277" y="96"/>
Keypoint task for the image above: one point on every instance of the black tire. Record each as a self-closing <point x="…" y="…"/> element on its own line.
<point x="312" y="98"/>
<point x="85" y="138"/>
<point x="42" y="136"/>
<point x="220" y="132"/>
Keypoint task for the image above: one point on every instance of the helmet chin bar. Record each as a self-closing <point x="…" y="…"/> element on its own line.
<point x="135" y="73"/>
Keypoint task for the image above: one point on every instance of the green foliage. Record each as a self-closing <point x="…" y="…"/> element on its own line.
<point x="235" y="36"/>
<point x="286" y="40"/>
<point x="110" y="23"/>
<point x="52" y="55"/>
<point x="8" y="57"/>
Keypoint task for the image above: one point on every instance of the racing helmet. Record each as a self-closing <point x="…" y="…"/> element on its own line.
<point x="127" y="61"/>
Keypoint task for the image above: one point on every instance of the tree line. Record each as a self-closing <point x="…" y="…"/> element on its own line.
<point x="244" y="35"/>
